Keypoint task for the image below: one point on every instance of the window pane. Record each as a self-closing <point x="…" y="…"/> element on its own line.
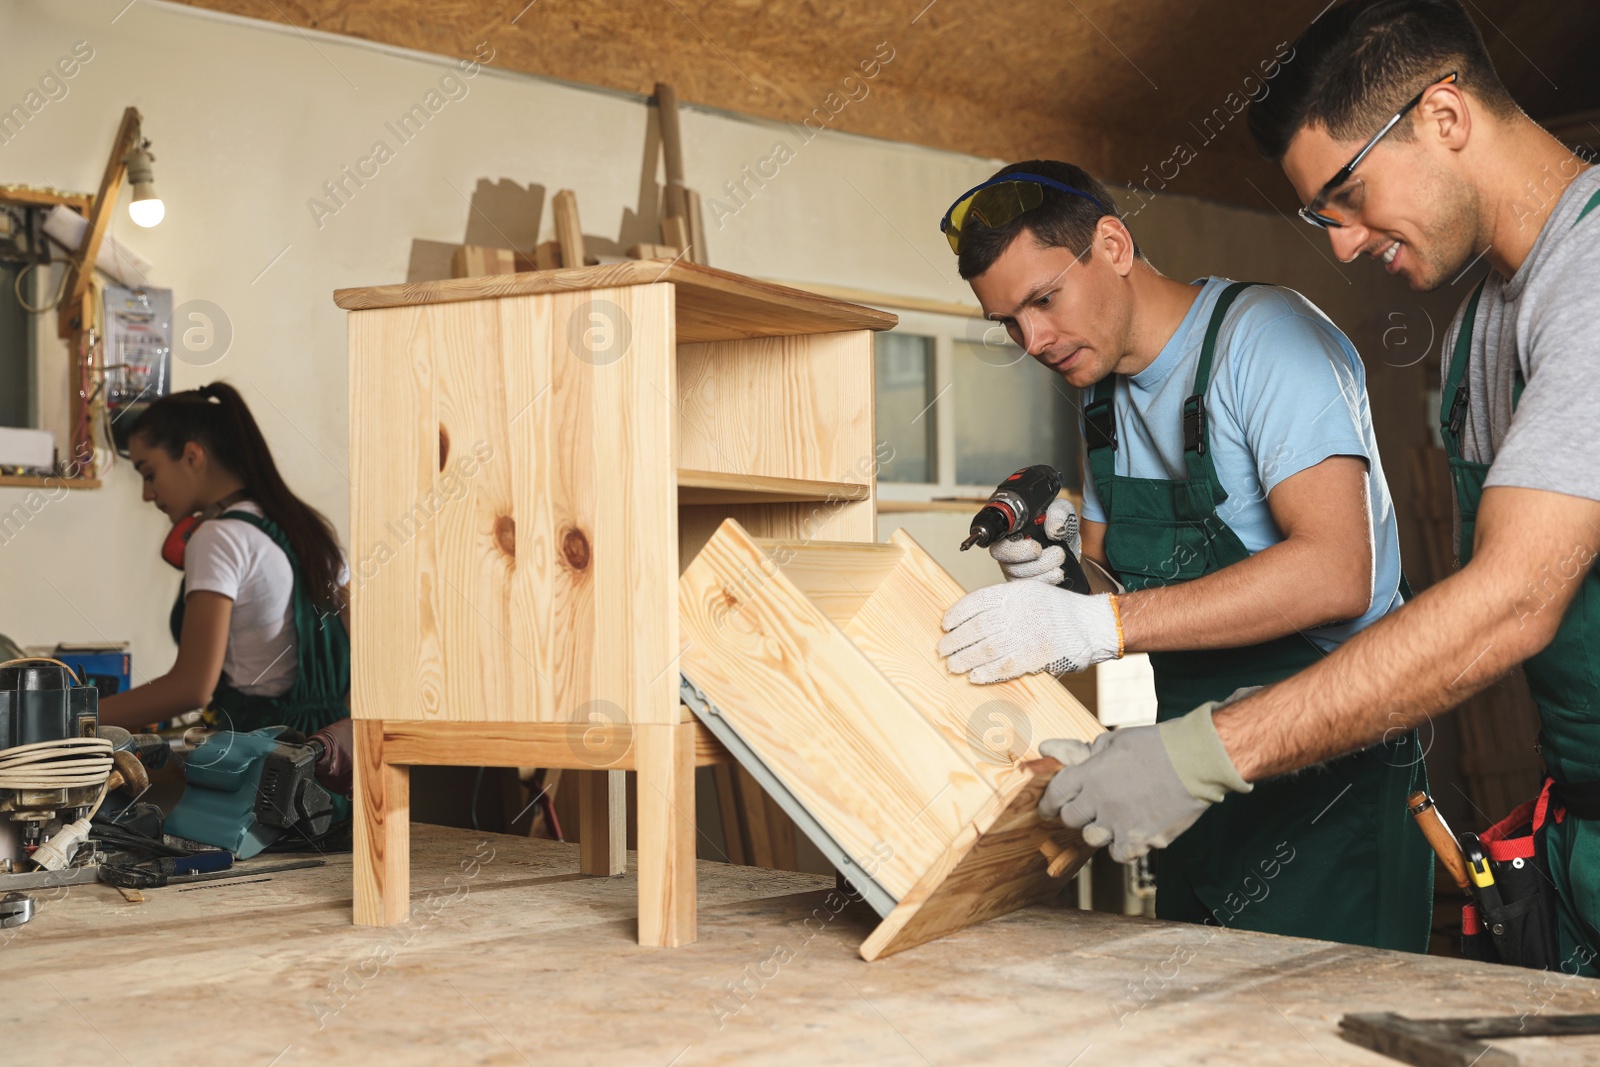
<point x="904" y="368"/>
<point x="1011" y="412"/>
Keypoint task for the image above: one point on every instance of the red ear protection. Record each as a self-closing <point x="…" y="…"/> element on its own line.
<point x="178" y="539"/>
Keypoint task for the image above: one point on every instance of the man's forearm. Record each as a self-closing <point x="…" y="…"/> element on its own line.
<point x="1280" y="590"/>
<point x="1449" y="643"/>
<point x="1534" y="550"/>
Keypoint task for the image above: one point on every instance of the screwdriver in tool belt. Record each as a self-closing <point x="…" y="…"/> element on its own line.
<point x="1482" y="876"/>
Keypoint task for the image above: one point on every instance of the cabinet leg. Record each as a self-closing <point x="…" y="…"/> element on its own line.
<point x="382" y="845"/>
<point x="602" y="822"/>
<point x="664" y="756"/>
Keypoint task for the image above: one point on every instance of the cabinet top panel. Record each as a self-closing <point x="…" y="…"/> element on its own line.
<point x="712" y="305"/>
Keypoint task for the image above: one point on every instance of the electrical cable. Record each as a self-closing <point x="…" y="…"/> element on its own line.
<point x="477" y="786"/>
<point x="69" y="763"/>
<point x="55" y="301"/>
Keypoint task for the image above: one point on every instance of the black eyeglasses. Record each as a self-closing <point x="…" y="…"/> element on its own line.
<point x="1325" y="216"/>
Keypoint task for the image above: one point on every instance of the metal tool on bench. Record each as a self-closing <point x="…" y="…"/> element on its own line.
<point x="246" y="790"/>
<point x="1456" y="1042"/>
<point x="53" y="767"/>
<point x="1017" y="509"/>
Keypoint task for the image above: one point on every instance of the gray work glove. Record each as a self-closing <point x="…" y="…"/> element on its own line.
<point x="1139" y="787"/>
<point x="1015" y="628"/>
<point x="1022" y="558"/>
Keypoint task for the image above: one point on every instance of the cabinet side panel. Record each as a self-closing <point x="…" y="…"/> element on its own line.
<point x="470" y="516"/>
<point x="550" y="422"/>
<point x="393" y="448"/>
<point x="622" y="342"/>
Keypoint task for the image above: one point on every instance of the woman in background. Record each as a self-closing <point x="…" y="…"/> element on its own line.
<point x="261" y="619"/>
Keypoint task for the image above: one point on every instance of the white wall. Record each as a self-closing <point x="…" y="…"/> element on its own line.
<point x="250" y="119"/>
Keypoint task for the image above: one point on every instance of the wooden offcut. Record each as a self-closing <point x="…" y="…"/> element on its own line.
<point x="569" y="231"/>
<point x="822" y="658"/>
<point x="472" y="261"/>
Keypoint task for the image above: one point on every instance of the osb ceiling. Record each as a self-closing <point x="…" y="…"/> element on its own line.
<point x="1115" y="85"/>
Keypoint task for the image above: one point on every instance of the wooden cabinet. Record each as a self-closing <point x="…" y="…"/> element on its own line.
<point x="534" y="458"/>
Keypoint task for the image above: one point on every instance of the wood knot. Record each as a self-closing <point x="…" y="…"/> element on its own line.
<point x="444" y="445"/>
<point x="505" y="535"/>
<point x="575" y="547"/>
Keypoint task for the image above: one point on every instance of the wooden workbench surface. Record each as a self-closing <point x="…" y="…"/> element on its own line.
<point x="519" y="960"/>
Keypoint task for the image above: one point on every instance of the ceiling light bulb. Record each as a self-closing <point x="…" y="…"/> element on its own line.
<point x="146" y="208"/>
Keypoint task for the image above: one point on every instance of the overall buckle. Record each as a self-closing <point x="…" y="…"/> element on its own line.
<point x="1100" y="425"/>
<point x="1458" y="411"/>
<point x="1194" y="424"/>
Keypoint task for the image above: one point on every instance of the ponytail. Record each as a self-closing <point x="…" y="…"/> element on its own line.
<point x="216" y="418"/>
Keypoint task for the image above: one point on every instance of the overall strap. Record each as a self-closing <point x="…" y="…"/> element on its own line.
<point x="1100" y="437"/>
<point x="1196" y="434"/>
<point x="1453" y="397"/>
<point x="1588" y="207"/>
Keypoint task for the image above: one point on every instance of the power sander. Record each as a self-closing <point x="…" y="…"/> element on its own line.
<point x="1016" y="509"/>
<point x="246" y="790"/>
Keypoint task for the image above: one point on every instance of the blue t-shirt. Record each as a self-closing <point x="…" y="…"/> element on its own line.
<point x="1287" y="391"/>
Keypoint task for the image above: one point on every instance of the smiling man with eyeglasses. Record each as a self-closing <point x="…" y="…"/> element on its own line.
<point x="1403" y="144"/>
<point x="1232" y="484"/>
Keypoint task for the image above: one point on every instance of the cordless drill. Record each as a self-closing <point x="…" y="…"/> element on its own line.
<point x="1016" y="509"/>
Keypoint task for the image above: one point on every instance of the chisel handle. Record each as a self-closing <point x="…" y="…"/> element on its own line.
<point x="1437" y="831"/>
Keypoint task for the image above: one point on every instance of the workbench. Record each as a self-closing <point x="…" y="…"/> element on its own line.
<point x="511" y="956"/>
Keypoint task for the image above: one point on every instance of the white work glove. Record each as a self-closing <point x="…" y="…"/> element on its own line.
<point x="1024" y="558"/>
<point x="1005" y="631"/>
<point x="1139" y="787"/>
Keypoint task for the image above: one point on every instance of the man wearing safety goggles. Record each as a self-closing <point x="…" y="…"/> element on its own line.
<point x="1396" y="132"/>
<point x="1232" y="486"/>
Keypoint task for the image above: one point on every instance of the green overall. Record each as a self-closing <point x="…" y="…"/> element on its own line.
<point x="1564" y="680"/>
<point x="317" y="696"/>
<point x="1330" y="852"/>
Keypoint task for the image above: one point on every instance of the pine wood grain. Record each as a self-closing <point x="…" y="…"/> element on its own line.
<point x="569" y="231"/>
<point x="996" y="726"/>
<point x="717" y="487"/>
<point x="994" y="867"/>
<point x="473" y="261"/>
<point x="602" y="822"/>
<point x="381" y="849"/>
<point x="712" y="305"/>
<point x="666" y="835"/>
<point x="534" y="583"/>
<point x="861" y="758"/>
<point x="783" y="407"/>
<point x="393" y="461"/>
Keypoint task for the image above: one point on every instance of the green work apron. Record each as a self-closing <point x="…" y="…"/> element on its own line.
<point x="1330" y="852"/>
<point x="1564" y="680"/>
<point x="317" y="696"/>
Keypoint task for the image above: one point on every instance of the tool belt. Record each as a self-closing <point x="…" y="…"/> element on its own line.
<point x="1521" y="931"/>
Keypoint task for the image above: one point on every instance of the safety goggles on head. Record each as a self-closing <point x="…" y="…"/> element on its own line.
<point x="1000" y="200"/>
<point x="1337" y="202"/>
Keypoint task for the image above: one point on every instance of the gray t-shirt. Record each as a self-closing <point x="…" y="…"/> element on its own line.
<point x="1545" y="320"/>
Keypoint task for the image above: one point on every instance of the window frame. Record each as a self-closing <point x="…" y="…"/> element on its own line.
<point x="945" y="330"/>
